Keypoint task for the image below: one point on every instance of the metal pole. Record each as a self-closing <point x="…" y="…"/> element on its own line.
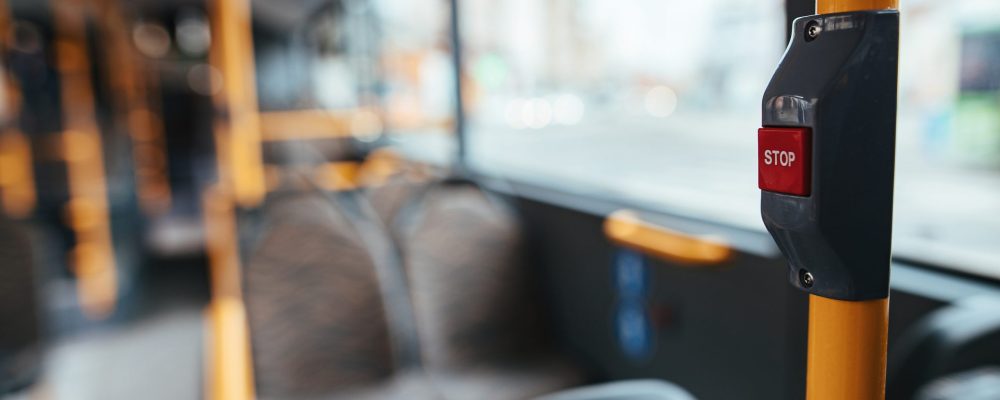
<point x="847" y="349"/>
<point x="241" y="168"/>
<point x="17" y="178"/>
<point x="241" y="182"/>
<point x="847" y="339"/>
<point x="456" y="60"/>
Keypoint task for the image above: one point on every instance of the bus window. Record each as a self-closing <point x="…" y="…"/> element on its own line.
<point x="948" y="162"/>
<point x="656" y="102"/>
<point x="649" y="100"/>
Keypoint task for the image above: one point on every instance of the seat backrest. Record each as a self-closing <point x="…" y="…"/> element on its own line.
<point x="20" y="338"/>
<point x="317" y="318"/>
<point x="463" y="253"/>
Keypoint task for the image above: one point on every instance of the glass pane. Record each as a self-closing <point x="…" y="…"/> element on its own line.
<point x="948" y="186"/>
<point x="648" y="99"/>
<point x="657" y="101"/>
<point x="418" y="76"/>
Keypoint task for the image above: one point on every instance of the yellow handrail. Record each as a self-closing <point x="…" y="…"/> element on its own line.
<point x="306" y="124"/>
<point x="626" y="228"/>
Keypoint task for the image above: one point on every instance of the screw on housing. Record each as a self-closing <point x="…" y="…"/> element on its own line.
<point x="806" y="278"/>
<point x="813" y="30"/>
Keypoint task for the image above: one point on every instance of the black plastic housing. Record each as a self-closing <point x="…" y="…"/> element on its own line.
<point x="840" y="83"/>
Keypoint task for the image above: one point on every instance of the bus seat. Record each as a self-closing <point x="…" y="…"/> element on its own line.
<point x="325" y="311"/>
<point x="389" y="198"/>
<point x="982" y="383"/>
<point x="20" y="338"/>
<point x="962" y="337"/>
<point x="513" y="380"/>
<point x="473" y="297"/>
<point x="316" y="315"/>
<point x="639" y="389"/>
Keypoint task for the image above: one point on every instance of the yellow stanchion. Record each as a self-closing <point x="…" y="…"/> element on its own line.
<point x="847" y="349"/>
<point x="229" y="365"/>
<point x="232" y="55"/>
<point x="17" y="178"/>
<point x="242" y="181"/>
<point x="221" y="244"/>
<point x="229" y="375"/>
<point x="847" y="339"/>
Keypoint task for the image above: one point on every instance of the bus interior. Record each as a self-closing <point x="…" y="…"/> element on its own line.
<point x="458" y="199"/>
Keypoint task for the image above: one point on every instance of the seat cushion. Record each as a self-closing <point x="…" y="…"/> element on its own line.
<point x="529" y="378"/>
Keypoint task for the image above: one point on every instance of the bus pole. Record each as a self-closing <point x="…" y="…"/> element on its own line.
<point x="826" y="166"/>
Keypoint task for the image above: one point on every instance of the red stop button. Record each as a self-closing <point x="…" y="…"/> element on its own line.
<point x="784" y="162"/>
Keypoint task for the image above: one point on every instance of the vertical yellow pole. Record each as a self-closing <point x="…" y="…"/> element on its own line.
<point x="93" y="257"/>
<point x="847" y="339"/>
<point x="230" y="363"/>
<point x="241" y="181"/>
<point x="17" y="180"/>
<point x="232" y="56"/>
<point x="229" y="375"/>
<point x="847" y="349"/>
<point x="221" y="244"/>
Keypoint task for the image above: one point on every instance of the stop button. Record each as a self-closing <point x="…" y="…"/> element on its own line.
<point x="784" y="160"/>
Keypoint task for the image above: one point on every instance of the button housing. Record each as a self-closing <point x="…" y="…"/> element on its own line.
<point x="842" y="86"/>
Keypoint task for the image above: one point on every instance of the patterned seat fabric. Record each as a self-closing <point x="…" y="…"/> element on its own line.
<point x="20" y="353"/>
<point x="478" y="321"/>
<point x="323" y="300"/>
<point x="315" y="311"/>
<point x="388" y="199"/>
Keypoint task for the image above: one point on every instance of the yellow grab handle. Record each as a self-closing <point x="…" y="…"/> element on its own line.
<point x="625" y="228"/>
<point x="839" y="6"/>
<point x="278" y="126"/>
